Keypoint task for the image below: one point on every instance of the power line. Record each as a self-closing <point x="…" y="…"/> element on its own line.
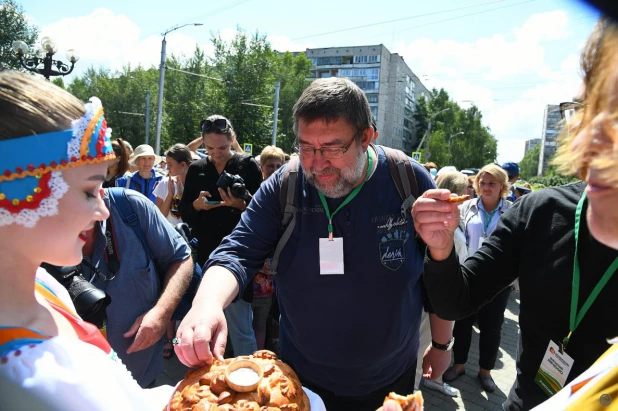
<point x="195" y="74"/>
<point x="396" y="20"/>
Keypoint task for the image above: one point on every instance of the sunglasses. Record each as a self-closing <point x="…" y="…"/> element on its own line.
<point x="207" y="125"/>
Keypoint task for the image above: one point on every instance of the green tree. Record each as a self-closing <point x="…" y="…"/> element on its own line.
<point x="293" y="73"/>
<point x="14" y="26"/>
<point x="58" y="81"/>
<point x="247" y="66"/>
<point x="529" y="165"/>
<point x="461" y="140"/>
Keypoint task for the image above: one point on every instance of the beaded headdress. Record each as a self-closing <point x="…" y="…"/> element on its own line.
<point x="31" y="167"/>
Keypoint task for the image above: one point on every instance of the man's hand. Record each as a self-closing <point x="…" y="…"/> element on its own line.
<point x="202" y="334"/>
<point x="435" y="362"/>
<point x="231" y="201"/>
<point x="390" y="405"/>
<point x="435" y="220"/>
<point x="147" y="329"/>
<point x="201" y="202"/>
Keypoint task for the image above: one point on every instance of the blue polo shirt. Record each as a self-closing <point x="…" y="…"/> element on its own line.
<point x="137" y="285"/>
<point x="353" y="333"/>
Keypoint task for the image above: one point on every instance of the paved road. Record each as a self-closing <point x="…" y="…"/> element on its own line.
<point x="472" y="397"/>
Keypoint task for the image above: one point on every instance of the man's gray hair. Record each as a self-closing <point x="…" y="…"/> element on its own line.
<point x="333" y="98"/>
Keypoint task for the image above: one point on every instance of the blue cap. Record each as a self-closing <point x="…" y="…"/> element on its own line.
<point x="512" y="169"/>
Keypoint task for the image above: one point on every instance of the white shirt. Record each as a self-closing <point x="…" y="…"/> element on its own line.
<point x="475" y="228"/>
<point x="162" y="191"/>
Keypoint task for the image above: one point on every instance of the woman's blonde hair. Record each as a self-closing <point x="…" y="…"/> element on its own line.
<point x="496" y="172"/>
<point x="270" y="153"/>
<point x="453" y="181"/>
<point x="599" y="63"/>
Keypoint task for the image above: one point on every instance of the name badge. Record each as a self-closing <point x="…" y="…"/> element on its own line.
<point x="331" y="256"/>
<point x="554" y="369"/>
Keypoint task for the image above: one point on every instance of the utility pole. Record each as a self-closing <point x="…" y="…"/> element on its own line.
<point x="157" y="147"/>
<point x="427" y="134"/>
<point x="160" y="101"/>
<point x="147" y="115"/>
<point x="276" y="111"/>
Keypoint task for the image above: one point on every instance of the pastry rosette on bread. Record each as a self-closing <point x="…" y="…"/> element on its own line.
<point x="207" y="388"/>
<point x="412" y="402"/>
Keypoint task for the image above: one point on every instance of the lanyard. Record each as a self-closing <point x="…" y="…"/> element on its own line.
<point x="488" y="217"/>
<point x="349" y="198"/>
<point x="576" y="317"/>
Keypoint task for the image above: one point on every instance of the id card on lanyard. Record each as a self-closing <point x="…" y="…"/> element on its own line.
<point x="331" y="249"/>
<point x="488" y="218"/>
<point x="557" y="364"/>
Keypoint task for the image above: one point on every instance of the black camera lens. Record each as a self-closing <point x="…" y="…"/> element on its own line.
<point x="235" y="183"/>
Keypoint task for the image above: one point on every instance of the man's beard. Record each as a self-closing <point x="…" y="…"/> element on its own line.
<point x="346" y="181"/>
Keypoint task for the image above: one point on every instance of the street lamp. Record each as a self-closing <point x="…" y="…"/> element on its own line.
<point x="147" y="132"/>
<point x="426" y="135"/>
<point x="43" y="63"/>
<point x="161" y="78"/>
<point x="450" y="154"/>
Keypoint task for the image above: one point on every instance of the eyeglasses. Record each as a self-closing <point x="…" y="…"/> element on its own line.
<point x="207" y="125"/>
<point x="326" y="152"/>
<point x="568" y="109"/>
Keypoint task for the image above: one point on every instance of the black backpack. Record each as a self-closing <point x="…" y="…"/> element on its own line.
<point x="401" y="172"/>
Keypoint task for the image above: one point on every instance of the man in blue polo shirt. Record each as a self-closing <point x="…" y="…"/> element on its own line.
<point x="349" y="277"/>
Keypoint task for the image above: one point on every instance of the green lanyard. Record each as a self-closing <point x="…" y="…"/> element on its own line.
<point x="488" y="217"/>
<point x="347" y="200"/>
<point x="576" y="317"/>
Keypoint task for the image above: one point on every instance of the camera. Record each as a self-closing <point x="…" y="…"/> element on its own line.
<point x="235" y="183"/>
<point x="90" y="302"/>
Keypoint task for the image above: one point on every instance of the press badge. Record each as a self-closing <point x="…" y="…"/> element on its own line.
<point x="554" y="369"/>
<point x="331" y="256"/>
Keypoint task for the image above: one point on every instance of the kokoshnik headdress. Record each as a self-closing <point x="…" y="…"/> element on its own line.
<point x="31" y="167"/>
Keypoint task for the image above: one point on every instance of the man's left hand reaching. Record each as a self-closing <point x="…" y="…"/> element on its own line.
<point x="147" y="329"/>
<point x="435" y="362"/>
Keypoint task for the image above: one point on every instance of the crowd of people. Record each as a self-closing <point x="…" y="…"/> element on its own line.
<point x="346" y="258"/>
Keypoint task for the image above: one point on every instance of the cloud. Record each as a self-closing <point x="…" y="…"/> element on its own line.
<point x="283" y="43"/>
<point x="106" y="39"/>
<point x="506" y="75"/>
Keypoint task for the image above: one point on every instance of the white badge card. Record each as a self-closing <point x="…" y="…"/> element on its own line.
<point x="554" y="369"/>
<point x="331" y="256"/>
<point x="481" y="241"/>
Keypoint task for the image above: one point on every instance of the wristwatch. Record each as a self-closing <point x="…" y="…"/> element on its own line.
<point x="444" y="347"/>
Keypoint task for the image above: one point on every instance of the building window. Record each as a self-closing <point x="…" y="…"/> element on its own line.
<point x="325" y="74"/>
<point x="314" y="61"/>
<point x="373" y="74"/>
<point x="328" y="61"/>
<point x="366" y="59"/>
<point x="372" y="98"/>
<point x="374" y="111"/>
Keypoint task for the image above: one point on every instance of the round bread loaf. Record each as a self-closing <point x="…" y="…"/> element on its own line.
<point x="206" y="388"/>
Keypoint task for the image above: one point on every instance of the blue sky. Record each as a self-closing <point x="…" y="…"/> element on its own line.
<point x="511" y="57"/>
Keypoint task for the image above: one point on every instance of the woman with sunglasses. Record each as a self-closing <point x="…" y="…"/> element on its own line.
<point x="212" y="213"/>
<point x="54" y="152"/>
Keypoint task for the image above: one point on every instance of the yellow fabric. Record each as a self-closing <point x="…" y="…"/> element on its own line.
<point x="592" y="399"/>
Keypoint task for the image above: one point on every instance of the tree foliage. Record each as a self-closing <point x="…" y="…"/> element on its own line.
<point x="457" y="137"/>
<point x="14" y="26"/>
<point x="529" y="165"/>
<point x="247" y="68"/>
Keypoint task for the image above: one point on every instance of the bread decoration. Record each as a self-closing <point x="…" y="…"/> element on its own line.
<point x="412" y="402"/>
<point x="258" y="382"/>
<point x="458" y="199"/>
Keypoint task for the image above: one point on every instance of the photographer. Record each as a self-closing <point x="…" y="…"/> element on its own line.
<point x="211" y="205"/>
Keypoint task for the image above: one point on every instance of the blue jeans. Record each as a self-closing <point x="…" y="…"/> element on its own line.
<point x="239" y="317"/>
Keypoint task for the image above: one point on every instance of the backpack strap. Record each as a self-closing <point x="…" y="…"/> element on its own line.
<point x="123" y="206"/>
<point x="128" y="185"/>
<point x="287" y="201"/>
<point x="403" y="176"/>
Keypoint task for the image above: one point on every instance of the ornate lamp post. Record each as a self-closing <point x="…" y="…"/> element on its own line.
<point x="44" y="63"/>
